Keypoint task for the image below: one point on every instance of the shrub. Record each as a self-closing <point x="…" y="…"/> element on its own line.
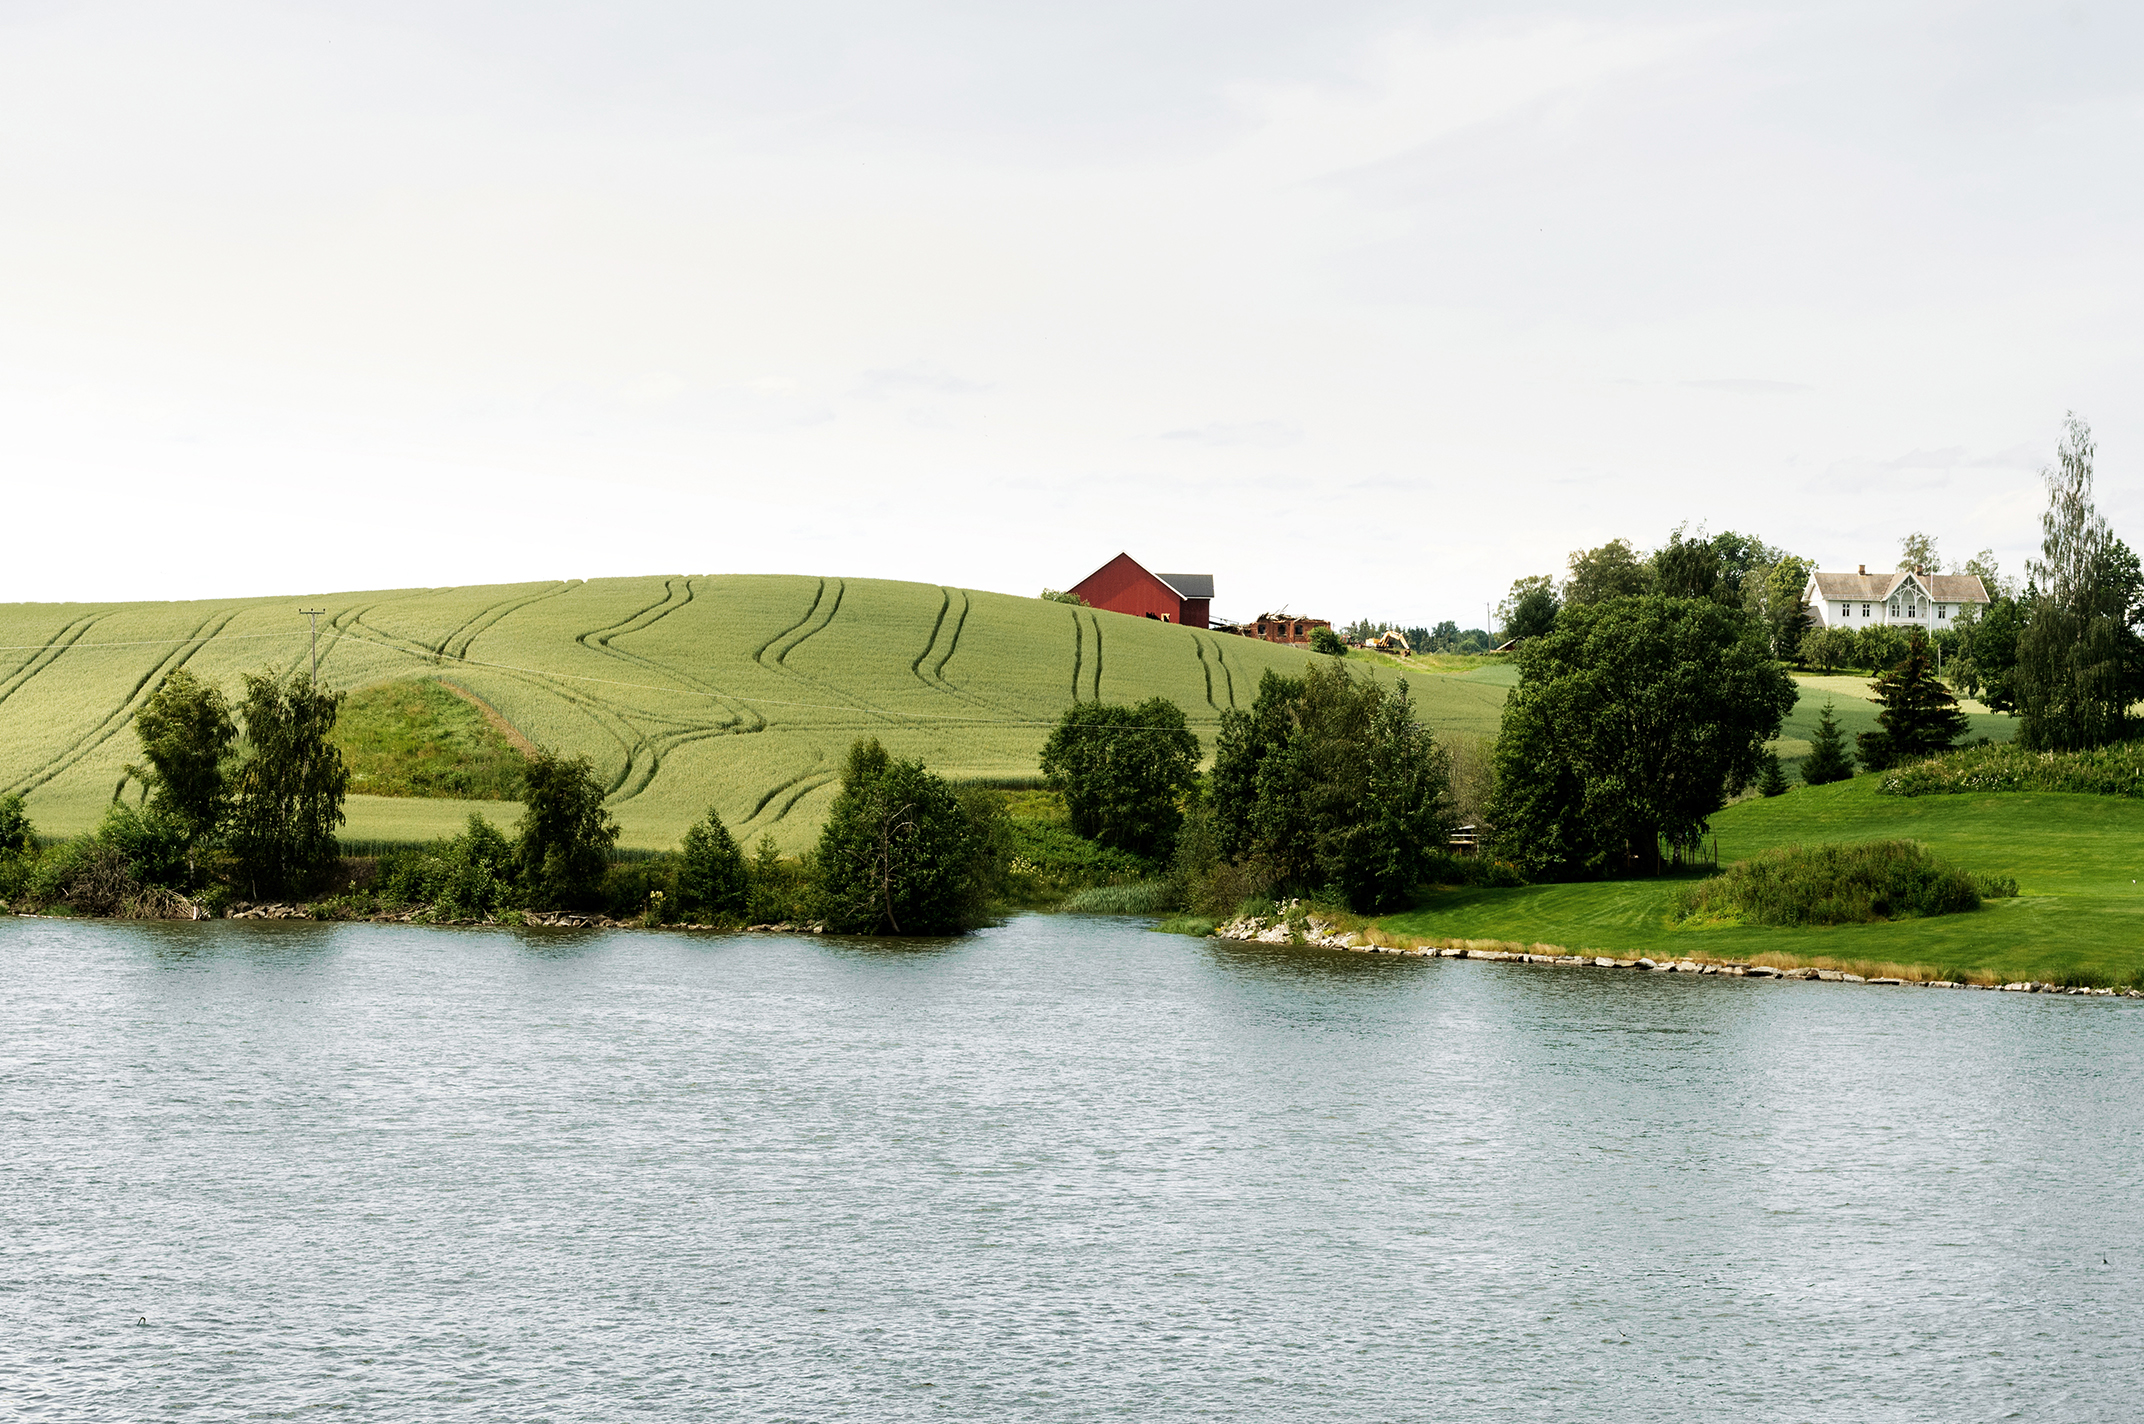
<point x="647" y="890"/>
<point x="154" y="844"/>
<point x="566" y="834"/>
<point x="778" y="890"/>
<point x="86" y="874"/>
<point x="464" y="877"/>
<point x="1326" y="641"/>
<point x="1832" y="885"/>
<point x="2005" y="766"/>
<point x="712" y="882"/>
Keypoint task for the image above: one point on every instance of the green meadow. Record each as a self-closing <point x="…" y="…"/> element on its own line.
<point x="740" y="692"/>
<point x="2078" y="860"/>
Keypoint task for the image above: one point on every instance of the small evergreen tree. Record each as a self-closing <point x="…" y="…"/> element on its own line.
<point x="1828" y="759"/>
<point x="1920" y="717"/>
<point x="289" y="784"/>
<point x="566" y="833"/>
<point x="711" y="876"/>
<point x="1771" y="779"/>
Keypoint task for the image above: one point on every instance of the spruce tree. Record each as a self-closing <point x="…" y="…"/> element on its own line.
<point x="1920" y="717"/>
<point x="1771" y="780"/>
<point x="711" y="875"/>
<point x="1828" y="759"/>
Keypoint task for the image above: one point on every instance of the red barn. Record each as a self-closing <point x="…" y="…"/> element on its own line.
<point x="1122" y="586"/>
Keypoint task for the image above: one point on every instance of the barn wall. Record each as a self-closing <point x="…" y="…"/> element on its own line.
<point x="1121" y="586"/>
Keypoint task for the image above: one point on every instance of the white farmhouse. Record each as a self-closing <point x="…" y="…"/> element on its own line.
<point x="1909" y="597"/>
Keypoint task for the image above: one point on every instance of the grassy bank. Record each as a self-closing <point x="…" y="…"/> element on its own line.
<point x="2078" y="919"/>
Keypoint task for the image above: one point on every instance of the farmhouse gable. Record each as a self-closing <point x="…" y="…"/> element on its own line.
<point x="1906" y="597"/>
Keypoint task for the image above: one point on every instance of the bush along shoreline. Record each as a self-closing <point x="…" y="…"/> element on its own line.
<point x="1298" y="924"/>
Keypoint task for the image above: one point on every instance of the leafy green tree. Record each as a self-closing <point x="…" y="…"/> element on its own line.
<point x="1828" y="759"/>
<point x="899" y="853"/>
<point x="1326" y="641"/>
<point x="565" y="838"/>
<point x="711" y="878"/>
<point x="1774" y="597"/>
<point x="1632" y="722"/>
<point x="1052" y="595"/>
<point x="17" y="836"/>
<point x="1771" y="777"/>
<point x="289" y="784"/>
<point x="1829" y="649"/>
<point x="1614" y="570"/>
<point x="1920" y="717"/>
<point x="1444" y="638"/>
<point x="1529" y="610"/>
<point x="2080" y="658"/>
<point x="1689" y="568"/>
<point x="186" y="736"/>
<point x="1879" y="646"/>
<point x="1331" y="784"/>
<point x="1987" y="660"/>
<point x="1917" y="552"/>
<point x="1744" y="561"/>
<point x="1124" y="772"/>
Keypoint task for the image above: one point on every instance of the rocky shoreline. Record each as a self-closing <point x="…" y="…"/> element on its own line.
<point x="1325" y="934"/>
<point x="184" y="909"/>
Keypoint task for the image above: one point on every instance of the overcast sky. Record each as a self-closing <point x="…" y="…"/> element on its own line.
<point x="1367" y="309"/>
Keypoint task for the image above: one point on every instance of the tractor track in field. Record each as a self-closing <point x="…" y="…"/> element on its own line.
<point x="482" y="623"/>
<point x="935" y="678"/>
<point x="1220" y="660"/>
<point x="123" y="715"/>
<point x="1205" y="670"/>
<point x="47" y="655"/>
<point x="744" y="719"/>
<point x="802" y="631"/>
<point x="642" y="739"/>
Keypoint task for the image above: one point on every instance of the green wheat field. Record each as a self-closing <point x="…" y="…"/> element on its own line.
<point x="738" y="692"/>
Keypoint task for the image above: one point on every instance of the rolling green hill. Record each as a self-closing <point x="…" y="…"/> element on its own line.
<point x="742" y="692"/>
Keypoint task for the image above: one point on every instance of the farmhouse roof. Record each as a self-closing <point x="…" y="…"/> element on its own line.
<point x="1189" y="585"/>
<point x="1873" y="588"/>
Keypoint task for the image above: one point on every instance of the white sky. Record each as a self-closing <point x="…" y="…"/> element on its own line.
<point x="1366" y="308"/>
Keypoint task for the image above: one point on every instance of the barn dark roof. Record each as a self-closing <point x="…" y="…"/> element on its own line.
<point x="1189" y="585"/>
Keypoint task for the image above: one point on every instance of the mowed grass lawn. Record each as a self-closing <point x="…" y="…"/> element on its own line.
<point x="2078" y="860"/>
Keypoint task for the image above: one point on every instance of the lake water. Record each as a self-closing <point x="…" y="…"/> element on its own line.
<point x="1064" y="1169"/>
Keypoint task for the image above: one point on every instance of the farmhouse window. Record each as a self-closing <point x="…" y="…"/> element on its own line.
<point x="1864" y="610"/>
<point x="1942" y="610"/>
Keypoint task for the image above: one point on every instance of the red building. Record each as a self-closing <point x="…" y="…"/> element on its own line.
<point x="1122" y="586"/>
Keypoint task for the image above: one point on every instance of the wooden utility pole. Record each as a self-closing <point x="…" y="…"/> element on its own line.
<point x="313" y="615"/>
